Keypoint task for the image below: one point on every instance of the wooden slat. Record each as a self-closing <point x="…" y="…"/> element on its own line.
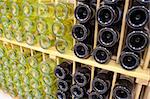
<point x="147" y="59"/>
<point x="112" y="66"/>
<point x="123" y="29"/>
<point x="137" y="91"/>
<point x="113" y="85"/>
<point x="147" y="93"/>
<point x="92" y="77"/>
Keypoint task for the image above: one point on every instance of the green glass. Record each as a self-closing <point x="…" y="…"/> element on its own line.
<point x="42" y="25"/>
<point x="13" y="54"/>
<point x="48" y="66"/>
<point x="35" y="74"/>
<point x="15" y="9"/>
<point x="49" y="80"/>
<point x="9" y="34"/>
<point x="16" y="24"/>
<point x="31" y="38"/>
<point x="37" y="94"/>
<point x="29" y="24"/>
<point x="1" y="32"/>
<point x="63" y="11"/>
<point x="46" y="41"/>
<point x="2" y="51"/>
<point x="19" y="35"/>
<point x="34" y="83"/>
<point x="6" y="23"/>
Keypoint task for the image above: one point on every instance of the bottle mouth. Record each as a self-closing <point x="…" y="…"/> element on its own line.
<point x="111" y="1"/>
<point x="94" y="95"/>
<point x="137" y="17"/>
<point x="19" y="36"/>
<point x="100" y="86"/>
<point x="27" y="9"/>
<point x="101" y="55"/>
<point x="41" y="26"/>
<point x="105" y="15"/>
<point x="60" y="73"/>
<point x="80" y="79"/>
<point x="83" y="13"/>
<point x="61" y="45"/>
<point x="28" y="24"/>
<point x="9" y="34"/>
<point x="79" y="32"/>
<point x="81" y="50"/>
<point x="129" y="60"/>
<point x="45" y="68"/>
<point x="77" y="91"/>
<point x="63" y="85"/>
<point x="108" y="37"/>
<point x="45" y="42"/>
<point x="121" y="92"/>
<point x="30" y="39"/>
<point x="15" y="9"/>
<point x="137" y="40"/>
<point x="61" y="95"/>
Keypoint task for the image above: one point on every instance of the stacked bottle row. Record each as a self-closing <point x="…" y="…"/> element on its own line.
<point x="101" y="84"/>
<point x="109" y="17"/>
<point x="63" y="73"/>
<point x="26" y="76"/>
<point x="137" y="36"/>
<point x="37" y="23"/>
<point x="83" y="31"/>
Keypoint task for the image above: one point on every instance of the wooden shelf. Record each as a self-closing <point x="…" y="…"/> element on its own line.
<point x="112" y="66"/>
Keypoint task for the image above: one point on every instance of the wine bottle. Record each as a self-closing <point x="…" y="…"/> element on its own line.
<point x="63" y="70"/>
<point x="15" y="9"/>
<point x="79" y="92"/>
<point x="64" y="85"/>
<point x="29" y="24"/>
<point x="82" y="76"/>
<point x="123" y="89"/>
<point x="19" y="35"/>
<point x="137" y="17"/>
<point x="84" y="13"/>
<point x="80" y="32"/>
<point x="63" y="95"/>
<point x="137" y="40"/>
<point x="129" y="60"/>
<point x="102" y="55"/>
<point x="144" y="1"/>
<point x="108" y="37"/>
<point x="9" y="34"/>
<point x="95" y="95"/>
<point x="108" y="15"/>
<point x="16" y="23"/>
<point x="102" y="82"/>
<point x="111" y="1"/>
<point x="82" y="50"/>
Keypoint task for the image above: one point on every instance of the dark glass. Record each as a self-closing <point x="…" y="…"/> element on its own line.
<point x="95" y="95"/>
<point x="64" y="70"/>
<point x="108" y="37"/>
<point x="111" y="1"/>
<point x="82" y="50"/>
<point x="102" y="55"/>
<point x="137" y="40"/>
<point x="129" y="60"/>
<point x="123" y="89"/>
<point x="102" y="82"/>
<point x="144" y="1"/>
<point x="137" y="17"/>
<point x="80" y="32"/>
<point x="108" y="15"/>
<point x="84" y="13"/>
<point x="63" y="95"/>
<point x="79" y="92"/>
<point x="64" y="85"/>
<point x="82" y="76"/>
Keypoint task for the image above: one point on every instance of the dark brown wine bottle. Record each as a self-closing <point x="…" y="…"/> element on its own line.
<point x="102" y="55"/>
<point x="129" y="60"/>
<point x="64" y="70"/>
<point x="108" y="37"/>
<point x="108" y="15"/>
<point x="63" y="95"/>
<point x="137" y="41"/>
<point x="111" y="1"/>
<point x="82" y="76"/>
<point x="82" y="50"/>
<point x="64" y="85"/>
<point x="95" y="95"/>
<point x="123" y="89"/>
<point x="84" y="13"/>
<point x="137" y="17"/>
<point x="102" y="82"/>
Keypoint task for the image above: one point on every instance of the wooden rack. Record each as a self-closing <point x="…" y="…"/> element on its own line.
<point x="142" y="73"/>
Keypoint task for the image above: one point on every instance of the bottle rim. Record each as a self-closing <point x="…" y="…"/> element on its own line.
<point x="65" y="83"/>
<point x="113" y="32"/>
<point x="89" y="11"/>
<point x="65" y="43"/>
<point x="144" y="1"/>
<point x="107" y="52"/>
<point x="62" y="72"/>
<point x="134" y="33"/>
<point x="112" y="12"/>
<point x="32" y="38"/>
<point x="79" y="89"/>
<point x="95" y="93"/>
<point x="16" y="12"/>
<point x="44" y="38"/>
<point x="62" y="94"/>
<point x="43" y="24"/>
<point x="83" y="46"/>
<point x="136" y="57"/>
<point x="111" y="1"/>
<point x="81" y="75"/>
<point x="119" y="87"/>
<point x="103" y="83"/>
<point x="30" y="8"/>
<point x="136" y="8"/>
<point x="83" y="28"/>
